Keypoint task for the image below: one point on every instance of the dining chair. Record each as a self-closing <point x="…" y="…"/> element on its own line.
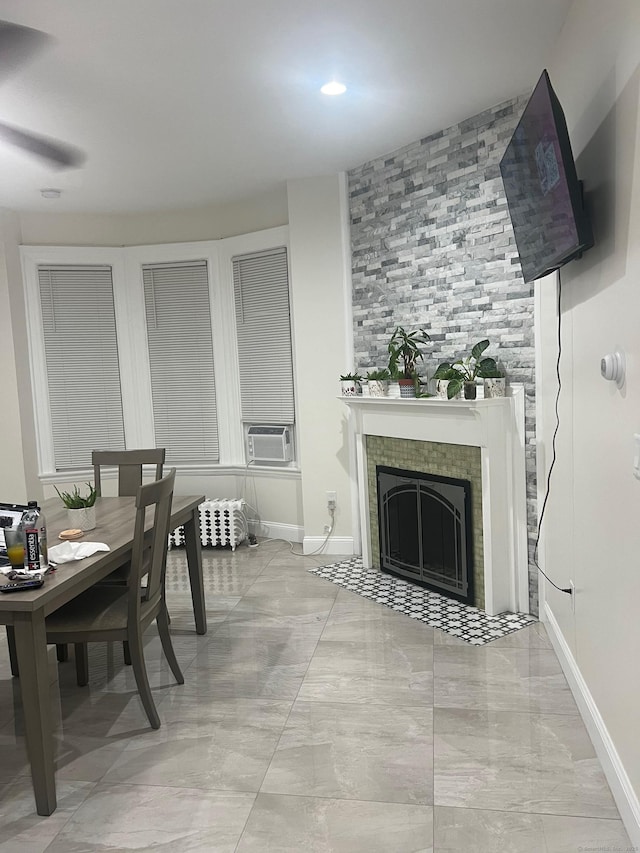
<point x="130" y="474"/>
<point x="122" y="613"/>
<point x="130" y="467"/>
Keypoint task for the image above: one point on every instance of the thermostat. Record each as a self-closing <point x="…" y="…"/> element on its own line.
<point x="612" y="367"/>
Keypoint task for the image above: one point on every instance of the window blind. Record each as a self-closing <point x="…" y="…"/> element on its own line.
<point x="178" y="315"/>
<point x="261" y="288"/>
<point x="83" y="372"/>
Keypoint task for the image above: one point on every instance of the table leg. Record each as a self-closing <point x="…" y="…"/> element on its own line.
<point x="193" y="547"/>
<point x="31" y="646"/>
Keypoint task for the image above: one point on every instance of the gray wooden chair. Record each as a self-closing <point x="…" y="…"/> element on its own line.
<point x="122" y="613"/>
<point x="130" y="467"/>
<point x="130" y="475"/>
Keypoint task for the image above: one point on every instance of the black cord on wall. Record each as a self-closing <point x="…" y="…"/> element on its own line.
<point x="553" y="443"/>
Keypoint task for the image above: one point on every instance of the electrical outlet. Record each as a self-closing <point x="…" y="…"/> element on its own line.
<point x="573" y="596"/>
<point x="332" y="499"/>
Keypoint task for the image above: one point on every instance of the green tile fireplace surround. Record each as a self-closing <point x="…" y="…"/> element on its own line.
<point x="461" y="462"/>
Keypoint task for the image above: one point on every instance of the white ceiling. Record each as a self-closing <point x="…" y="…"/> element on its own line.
<point x="182" y="103"/>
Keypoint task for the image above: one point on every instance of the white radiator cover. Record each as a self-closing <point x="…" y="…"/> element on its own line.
<point x="222" y="522"/>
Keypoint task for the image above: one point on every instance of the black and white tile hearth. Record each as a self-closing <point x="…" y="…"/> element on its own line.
<point x="467" y="623"/>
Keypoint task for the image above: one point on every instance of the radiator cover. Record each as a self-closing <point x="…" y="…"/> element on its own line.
<point x="222" y="522"/>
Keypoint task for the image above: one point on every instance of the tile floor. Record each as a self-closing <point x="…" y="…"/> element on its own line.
<point x="311" y="719"/>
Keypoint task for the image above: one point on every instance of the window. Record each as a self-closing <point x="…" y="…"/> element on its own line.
<point x="178" y="318"/>
<point x="263" y="325"/>
<point x="178" y="345"/>
<point x="82" y="364"/>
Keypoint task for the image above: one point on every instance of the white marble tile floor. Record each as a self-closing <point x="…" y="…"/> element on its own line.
<point x="311" y="719"/>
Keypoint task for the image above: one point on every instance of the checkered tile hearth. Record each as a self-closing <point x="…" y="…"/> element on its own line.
<point x="467" y="623"/>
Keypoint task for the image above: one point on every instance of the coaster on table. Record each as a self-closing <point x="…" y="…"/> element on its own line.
<point x="72" y="533"/>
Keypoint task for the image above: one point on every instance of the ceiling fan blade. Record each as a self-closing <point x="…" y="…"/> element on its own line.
<point x="58" y="153"/>
<point x="17" y="45"/>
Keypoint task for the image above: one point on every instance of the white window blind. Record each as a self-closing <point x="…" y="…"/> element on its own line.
<point x="261" y="286"/>
<point x="178" y="316"/>
<point x="81" y="351"/>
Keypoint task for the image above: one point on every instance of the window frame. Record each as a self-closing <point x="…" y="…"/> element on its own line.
<point x="128" y="291"/>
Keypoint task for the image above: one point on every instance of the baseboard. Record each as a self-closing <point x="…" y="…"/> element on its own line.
<point x="277" y="530"/>
<point x="336" y="545"/>
<point x="625" y="797"/>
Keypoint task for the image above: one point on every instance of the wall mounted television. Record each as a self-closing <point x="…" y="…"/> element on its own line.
<point x="550" y="224"/>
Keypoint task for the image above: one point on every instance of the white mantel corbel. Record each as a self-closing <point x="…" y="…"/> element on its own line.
<point x="496" y="426"/>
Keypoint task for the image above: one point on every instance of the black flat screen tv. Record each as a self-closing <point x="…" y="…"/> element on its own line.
<point x="550" y="224"/>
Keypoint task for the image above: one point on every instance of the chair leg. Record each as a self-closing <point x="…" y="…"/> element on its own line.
<point x="127" y="652"/>
<point x="62" y="652"/>
<point x="142" y="681"/>
<point x="162" y="621"/>
<point x="82" y="664"/>
<point x="13" y="656"/>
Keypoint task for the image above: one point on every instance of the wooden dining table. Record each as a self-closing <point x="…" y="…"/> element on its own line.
<point x="26" y="612"/>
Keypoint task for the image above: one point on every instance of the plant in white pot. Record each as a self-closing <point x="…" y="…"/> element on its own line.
<point x="495" y="383"/>
<point x="378" y="382"/>
<point x="349" y="384"/>
<point x="81" y="510"/>
<point x="405" y="348"/>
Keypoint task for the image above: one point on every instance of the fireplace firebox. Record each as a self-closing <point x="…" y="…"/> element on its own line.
<point x="425" y="530"/>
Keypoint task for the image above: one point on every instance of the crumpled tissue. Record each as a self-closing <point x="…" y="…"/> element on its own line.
<point x="69" y="551"/>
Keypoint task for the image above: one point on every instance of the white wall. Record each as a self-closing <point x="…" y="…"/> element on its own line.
<point x="592" y="527"/>
<point x="267" y="210"/>
<point x="318" y="240"/>
<point x="18" y="462"/>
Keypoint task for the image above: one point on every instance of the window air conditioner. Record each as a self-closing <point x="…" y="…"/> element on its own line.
<point x="269" y="444"/>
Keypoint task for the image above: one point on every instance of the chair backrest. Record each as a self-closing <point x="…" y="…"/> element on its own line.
<point x="129" y="464"/>
<point x="149" y="554"/>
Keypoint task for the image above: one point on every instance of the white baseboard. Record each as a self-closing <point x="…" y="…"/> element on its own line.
<point x="276" y="530"/>
<point x="337" y="545"/>
<point x="621" y="788"/>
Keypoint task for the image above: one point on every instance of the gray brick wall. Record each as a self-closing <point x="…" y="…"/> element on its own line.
<point x="432" y="247"/>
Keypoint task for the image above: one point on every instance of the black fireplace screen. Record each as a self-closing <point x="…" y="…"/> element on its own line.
<point x="425" y="530"/>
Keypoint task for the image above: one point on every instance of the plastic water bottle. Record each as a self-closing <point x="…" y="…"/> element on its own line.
<point x="34" y="526"/>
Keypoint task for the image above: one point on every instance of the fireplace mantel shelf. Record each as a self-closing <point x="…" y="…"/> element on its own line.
<point x="497" y="427"/>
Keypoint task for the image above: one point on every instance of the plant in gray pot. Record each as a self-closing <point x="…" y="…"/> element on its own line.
<point x="464" y="372"/>
<point x="81" y="511"/>
<point x="405" y="348"/>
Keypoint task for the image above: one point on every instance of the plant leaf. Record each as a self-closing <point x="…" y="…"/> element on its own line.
<point x="479" y="348"/>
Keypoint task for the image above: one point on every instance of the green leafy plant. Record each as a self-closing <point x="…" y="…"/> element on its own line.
<point x="351" y="377"/>
<point x="74" y="500"/>
<point x="381" y="375"/>
<point x="466" y="369"/>
<point x="406" y="348"/>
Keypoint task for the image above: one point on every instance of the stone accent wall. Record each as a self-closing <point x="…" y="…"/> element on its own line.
<point x="430" y="457"/>
<point x="432" y="247"/>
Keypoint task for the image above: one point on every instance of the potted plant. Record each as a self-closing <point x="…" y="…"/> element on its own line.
<point x="443" y="376"/>
<point x="405" y="350"/>
<point x="349" y="383"/>
<point x="494" y="383"/>
<point x="80" y="510"/>
<point x="464" y="372"/>
<point x="378" y="382"/>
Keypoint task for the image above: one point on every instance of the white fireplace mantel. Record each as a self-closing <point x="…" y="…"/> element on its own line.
<point x="496" y="426"/>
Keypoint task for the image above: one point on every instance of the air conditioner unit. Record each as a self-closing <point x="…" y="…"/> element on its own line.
<point x="269" y="444"/>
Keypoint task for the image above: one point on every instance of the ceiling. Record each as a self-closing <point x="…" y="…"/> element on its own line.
<point x="183" y="103"/>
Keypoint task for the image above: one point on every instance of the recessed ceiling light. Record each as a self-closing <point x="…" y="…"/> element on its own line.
<point x="50" y="193"/>
<point x="333" y="88"/>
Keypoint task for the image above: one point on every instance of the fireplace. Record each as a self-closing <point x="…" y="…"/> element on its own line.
<point x="493" y="432"/>
<point x="425" y="530"/>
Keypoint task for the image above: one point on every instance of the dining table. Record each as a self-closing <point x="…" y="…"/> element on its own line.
<point x="26" y="612"/>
